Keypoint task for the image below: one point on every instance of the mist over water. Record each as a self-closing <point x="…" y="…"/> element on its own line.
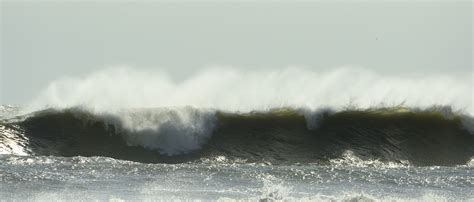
<point x="232" y="89"/>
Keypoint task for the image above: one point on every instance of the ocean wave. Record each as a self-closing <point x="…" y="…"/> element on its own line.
<point x="434" y="136"/>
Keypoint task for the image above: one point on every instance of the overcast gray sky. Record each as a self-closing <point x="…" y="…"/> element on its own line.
<point x="43" y="41"/>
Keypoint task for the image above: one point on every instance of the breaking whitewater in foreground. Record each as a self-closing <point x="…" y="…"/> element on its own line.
<point x="184" y="152"/>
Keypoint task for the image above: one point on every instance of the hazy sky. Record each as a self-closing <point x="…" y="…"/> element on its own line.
<point x="43" y="41"/>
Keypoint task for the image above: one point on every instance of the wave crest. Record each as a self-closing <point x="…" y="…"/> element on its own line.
<point x="237" y="90"/>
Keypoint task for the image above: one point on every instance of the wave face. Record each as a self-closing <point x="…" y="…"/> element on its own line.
<point x="279" y="136"/>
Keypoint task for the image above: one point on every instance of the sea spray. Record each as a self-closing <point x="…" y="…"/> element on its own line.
<point x="231" y="89"/>
<point x="171" y="131"/>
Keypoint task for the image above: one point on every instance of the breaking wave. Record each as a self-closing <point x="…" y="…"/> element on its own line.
<point x="294" y="115"/>
<point x="279" y="136"/>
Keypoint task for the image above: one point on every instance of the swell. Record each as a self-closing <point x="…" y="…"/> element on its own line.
<point x="281" y="136"/>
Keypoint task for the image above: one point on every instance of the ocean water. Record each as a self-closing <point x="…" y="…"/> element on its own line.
<point x="73" y="154"/>
<point x="102" y="178"/>
<point x="224" y="135"/>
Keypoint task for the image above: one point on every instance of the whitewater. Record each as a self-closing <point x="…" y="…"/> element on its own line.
<point x="346" y="134"/>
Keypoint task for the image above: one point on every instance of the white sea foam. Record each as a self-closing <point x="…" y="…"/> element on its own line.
<point x="11" y="142"/>
<point x="348" y="158"/>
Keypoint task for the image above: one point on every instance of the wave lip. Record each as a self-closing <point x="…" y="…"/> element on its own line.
<point x="279" y="136"/>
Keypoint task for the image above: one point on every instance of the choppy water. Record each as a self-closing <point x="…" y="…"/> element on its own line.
<point x="101" y="178"/>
